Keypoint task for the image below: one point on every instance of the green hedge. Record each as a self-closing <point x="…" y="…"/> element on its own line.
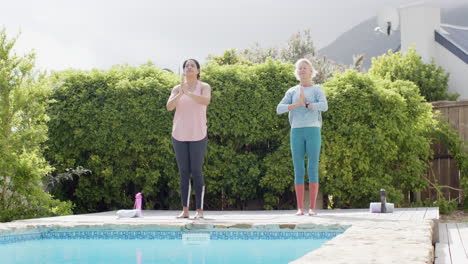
<point x="376" y="134"/>
<point x="244" y="129"/>
<point x="114" y="123"/>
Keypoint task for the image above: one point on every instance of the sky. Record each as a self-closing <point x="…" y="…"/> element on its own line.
<point x="89" y="34"/>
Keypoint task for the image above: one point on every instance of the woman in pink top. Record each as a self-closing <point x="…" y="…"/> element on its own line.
<point x="189" y="133"/>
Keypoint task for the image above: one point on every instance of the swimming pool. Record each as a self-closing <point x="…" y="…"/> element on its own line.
<point x="143" y="247"/>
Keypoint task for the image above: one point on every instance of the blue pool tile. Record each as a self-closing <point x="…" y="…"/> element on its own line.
<point x="20" y="238"/>
<point x="168" y="235"/>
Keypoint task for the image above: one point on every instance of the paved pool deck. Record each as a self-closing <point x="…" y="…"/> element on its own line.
<point x="405" y="236"/>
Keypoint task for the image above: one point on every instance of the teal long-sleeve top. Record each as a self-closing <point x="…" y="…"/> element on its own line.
<point x="301" y="116"/>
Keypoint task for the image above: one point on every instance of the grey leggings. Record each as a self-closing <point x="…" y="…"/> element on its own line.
<point x="190" y="156"/>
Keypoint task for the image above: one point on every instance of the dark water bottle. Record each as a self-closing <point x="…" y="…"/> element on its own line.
<point x="383" y="201"/>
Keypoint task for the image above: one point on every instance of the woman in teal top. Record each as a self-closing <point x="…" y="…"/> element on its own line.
<point x="305" y="103"/>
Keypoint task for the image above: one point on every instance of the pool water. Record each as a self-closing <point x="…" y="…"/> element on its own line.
<point x="146" y="251"/>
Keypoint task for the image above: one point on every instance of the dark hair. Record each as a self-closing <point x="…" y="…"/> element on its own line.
<point x="196" y="63"/>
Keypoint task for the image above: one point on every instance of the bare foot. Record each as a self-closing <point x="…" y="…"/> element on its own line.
<point x="183" y="215"/>
<point x="199" y="215"/>
<point x="312" y="212"/>
<point x="299" y="212"/>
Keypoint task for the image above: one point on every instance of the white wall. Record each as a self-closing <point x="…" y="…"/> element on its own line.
<point x="417" y="25"/>
<point x="458" y="79"/>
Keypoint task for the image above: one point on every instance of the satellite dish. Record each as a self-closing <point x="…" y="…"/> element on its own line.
<point x="388" y="21"/>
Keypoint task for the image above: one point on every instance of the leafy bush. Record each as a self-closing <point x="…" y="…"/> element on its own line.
<point x="245" y="129"/>
<point x="445" y="207"/>
<point x="23" y="130"/>
<point x="431" y="79"/>
<point x="443" y="134"/>
<point x="376" y="134"/>
<point x="113" y="123"/>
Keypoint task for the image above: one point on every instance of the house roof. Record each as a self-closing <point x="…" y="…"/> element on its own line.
<point x="455" y="39"/>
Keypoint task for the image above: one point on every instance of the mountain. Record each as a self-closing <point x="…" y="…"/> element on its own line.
<point x="455" y="16"/>
<point x="362" y="39"/>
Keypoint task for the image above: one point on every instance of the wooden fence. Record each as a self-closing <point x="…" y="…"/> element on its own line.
<point x="443" y="168"/>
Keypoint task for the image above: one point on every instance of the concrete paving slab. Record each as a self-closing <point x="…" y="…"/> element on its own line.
<point x="404" y="236"/>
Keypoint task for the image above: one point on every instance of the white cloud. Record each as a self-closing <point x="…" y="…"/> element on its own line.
<point x="99" y="33"/>
<point x="54" y="54"/>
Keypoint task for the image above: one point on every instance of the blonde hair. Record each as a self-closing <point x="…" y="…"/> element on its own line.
<point x="299" y="62"/>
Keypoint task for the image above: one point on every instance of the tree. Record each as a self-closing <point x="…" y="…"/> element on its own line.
<point x="257" y="54"/>
<point x="229" y="57"/>
<point x="431" y="79"/>
<point x="299" y="45"/>
<point x="358" y="61"/>
<point x="326" y="68"/>
<point x="23" y="129"/>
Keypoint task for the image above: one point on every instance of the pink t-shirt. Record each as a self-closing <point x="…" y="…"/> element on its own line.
<point x="189" y="122"/>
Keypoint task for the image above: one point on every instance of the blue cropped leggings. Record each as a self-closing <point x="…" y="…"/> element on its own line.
<point x="305" y="140"/>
